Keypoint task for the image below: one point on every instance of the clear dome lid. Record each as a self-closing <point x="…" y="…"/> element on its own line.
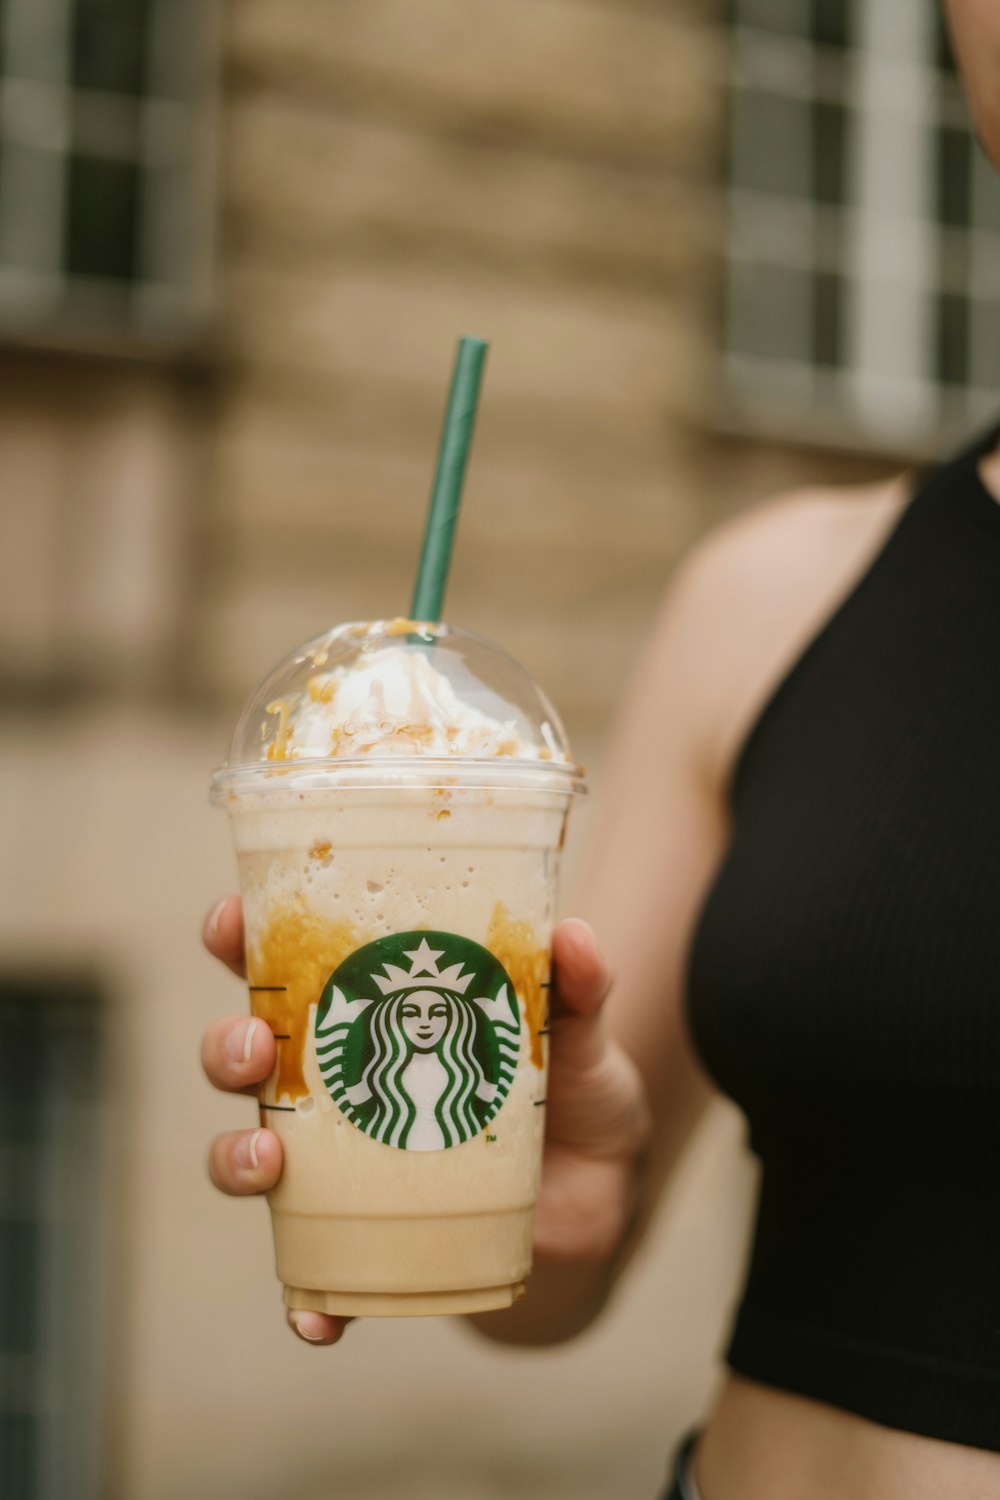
<point x="398" y="701"/>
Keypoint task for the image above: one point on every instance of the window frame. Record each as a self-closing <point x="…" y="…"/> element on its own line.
<point x="169" y="137"/>
<point x="868" y="375"/>
<point x="65" y="1177"/>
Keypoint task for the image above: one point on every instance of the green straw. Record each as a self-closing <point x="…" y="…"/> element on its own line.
<point x="446" y="495"/>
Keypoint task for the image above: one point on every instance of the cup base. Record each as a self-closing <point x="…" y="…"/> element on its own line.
<point x="403" y="1304"/>
<point x="390" y="1267"/>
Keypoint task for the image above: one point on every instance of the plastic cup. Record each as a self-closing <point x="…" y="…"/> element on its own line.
<point x="399" y="883"/>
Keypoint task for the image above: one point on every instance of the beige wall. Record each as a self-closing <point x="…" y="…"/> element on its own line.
<point x="394" y="176"/>
<point x="527" y="172"/>
<point x="101" y="480"/>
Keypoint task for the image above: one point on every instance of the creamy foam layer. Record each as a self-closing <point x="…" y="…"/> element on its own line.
<point x="393" y="701"/>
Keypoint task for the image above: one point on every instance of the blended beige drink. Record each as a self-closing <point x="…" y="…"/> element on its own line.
<point x="398" y="796"/>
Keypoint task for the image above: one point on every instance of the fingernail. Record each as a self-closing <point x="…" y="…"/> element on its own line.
<point x="245" y="1151"/>
<point x="303" y="1322"/>
<point x="214" y="915"/>
<point x="239" y="1044"/>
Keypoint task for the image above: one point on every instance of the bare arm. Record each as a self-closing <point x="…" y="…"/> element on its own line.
<point x="739" y="612"/>
<point x="660" y="835"/>
<point x="658" y="839"/>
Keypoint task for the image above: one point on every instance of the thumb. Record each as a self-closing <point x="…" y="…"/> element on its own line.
<point x="582" y="978"/>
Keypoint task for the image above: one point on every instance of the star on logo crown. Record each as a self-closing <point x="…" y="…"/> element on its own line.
<point x="424" y="973"/>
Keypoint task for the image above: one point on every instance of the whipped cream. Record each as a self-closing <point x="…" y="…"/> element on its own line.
<point x="393" y="701"/>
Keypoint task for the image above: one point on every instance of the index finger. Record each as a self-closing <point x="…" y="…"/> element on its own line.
<point x="223" y="934"/>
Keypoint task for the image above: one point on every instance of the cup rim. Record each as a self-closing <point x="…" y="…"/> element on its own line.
<point x="398" y="772"/>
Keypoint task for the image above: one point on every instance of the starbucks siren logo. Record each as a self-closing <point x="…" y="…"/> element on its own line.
<point x="417" y="1038"/>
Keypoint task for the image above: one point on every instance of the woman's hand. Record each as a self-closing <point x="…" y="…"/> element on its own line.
<point x="597" y="1128"/>
<point x="596" y="1116"/>
<point x="597" y="1120"/>
<point x="238" y="1054"/>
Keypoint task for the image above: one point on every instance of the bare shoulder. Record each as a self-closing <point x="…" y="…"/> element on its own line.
<point x="752" y="594"/>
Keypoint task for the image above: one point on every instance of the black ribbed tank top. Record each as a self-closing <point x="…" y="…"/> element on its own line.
<point x="844" y="986"/>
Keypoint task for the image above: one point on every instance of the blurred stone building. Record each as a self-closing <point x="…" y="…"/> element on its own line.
<point x="715" y="255"/>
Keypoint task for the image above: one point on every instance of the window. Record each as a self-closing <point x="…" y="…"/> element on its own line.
<point x="862" y="284"/>
<point x="53" y="1215"/>
<point x="104" y="222"/>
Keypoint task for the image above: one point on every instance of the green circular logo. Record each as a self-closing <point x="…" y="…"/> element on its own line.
<point x="417" y="1038"/>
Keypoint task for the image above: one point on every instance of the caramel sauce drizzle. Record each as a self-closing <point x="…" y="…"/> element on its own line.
<point x="370" y="732"/>
<point x="291" y="959"/>
<point x="298" y="951"/>
<point x="278" y="748"/>
<point x="515" y="944"/>
<point x="399" y="626"/>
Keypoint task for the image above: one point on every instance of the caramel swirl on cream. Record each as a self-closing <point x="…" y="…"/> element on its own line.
<point x="393" y="701"/>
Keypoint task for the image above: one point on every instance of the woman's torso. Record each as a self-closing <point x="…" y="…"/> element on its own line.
<point x="765" y="1444"/>
<point x="762" y="1441"/>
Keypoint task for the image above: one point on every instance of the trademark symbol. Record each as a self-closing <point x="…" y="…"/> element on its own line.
<point x="490" y="1137"/>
